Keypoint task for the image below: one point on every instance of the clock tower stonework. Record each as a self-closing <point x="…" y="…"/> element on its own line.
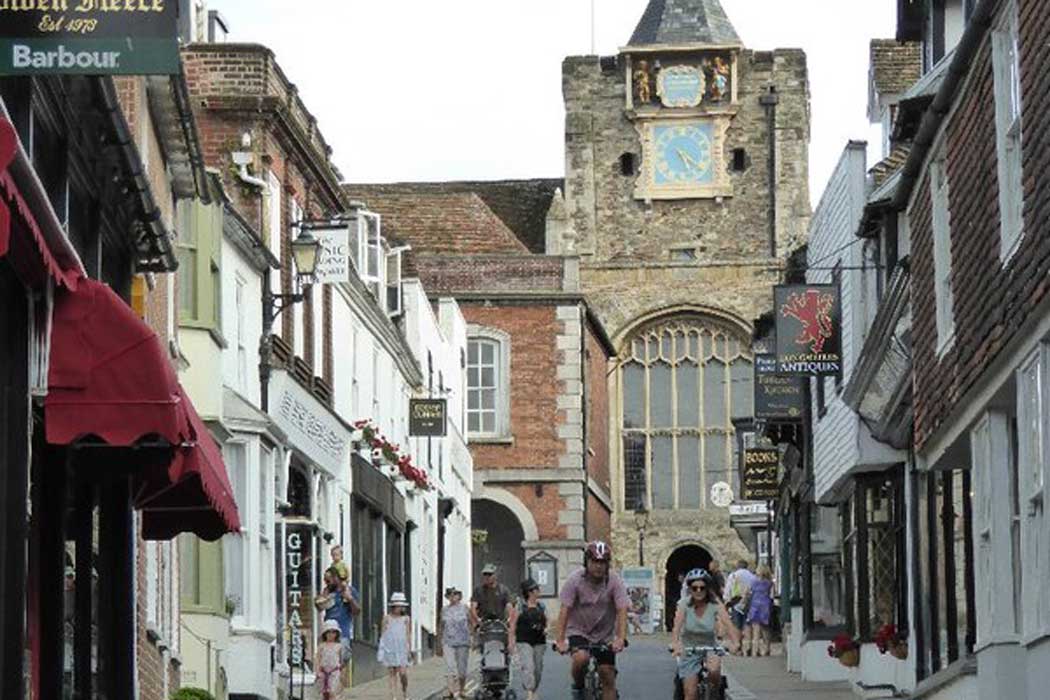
<point x="685" y="193"/>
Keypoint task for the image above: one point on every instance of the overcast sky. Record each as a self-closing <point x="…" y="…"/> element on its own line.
<point x="471" y="89"/>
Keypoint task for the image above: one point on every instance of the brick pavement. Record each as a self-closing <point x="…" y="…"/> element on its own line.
<point x="426" y="681"/>
<point x="767" y="678"/>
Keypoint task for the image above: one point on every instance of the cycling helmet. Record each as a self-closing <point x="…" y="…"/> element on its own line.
<point x="698" y="575"/>
<point x="598" y="551"/>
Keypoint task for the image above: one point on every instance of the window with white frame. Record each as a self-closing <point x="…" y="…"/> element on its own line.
<point x="942" y="251"/>
<point x="274" y="220"/>
<point x="355" y="385"/>
<point x="1032" y="393"/>
<point x="393" y="282"/>
<point x="235" y="545"/>
<point x="240" y="332"/>
<point x="1007" y="70"/>
<point x="488" y="384"/>
<point x="317" y="309"/>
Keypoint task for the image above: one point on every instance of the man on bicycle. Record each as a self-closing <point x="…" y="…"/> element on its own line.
<point x="594" y="605"/>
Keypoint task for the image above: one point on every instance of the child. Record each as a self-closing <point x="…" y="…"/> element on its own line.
<point x="393" y="645"/>
<point x="328" y="662"/>
<point x="339" y="565"/>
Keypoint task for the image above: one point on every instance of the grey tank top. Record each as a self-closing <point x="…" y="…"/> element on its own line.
<point x="699" y="630"/>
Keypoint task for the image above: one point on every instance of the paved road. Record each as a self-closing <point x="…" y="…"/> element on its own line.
<point x="646" y="672"/>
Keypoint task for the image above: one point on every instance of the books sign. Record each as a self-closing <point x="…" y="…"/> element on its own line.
<point x="760" y="474"/>
<point x="809" y="332"/>
<point x="426" y="417"/>
<point x="111" y="37"/>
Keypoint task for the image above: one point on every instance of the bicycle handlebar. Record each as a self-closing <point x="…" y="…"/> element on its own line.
<point x="590" y="648"/>
<point x="717" y="650"/>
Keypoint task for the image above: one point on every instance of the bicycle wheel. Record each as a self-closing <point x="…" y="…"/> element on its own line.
<point x="592" y="688"/>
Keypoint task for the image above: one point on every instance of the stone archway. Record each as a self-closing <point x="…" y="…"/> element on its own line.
<point x="502" y="545"/>
<point x="684" y="558"/>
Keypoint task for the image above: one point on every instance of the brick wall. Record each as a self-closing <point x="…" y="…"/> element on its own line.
<point x="444" y="274"/>
<point x="990" y="302"/>
<point x="533" y="385"/>
<point x="545" y="503"/>
<point x="597" y="413"/>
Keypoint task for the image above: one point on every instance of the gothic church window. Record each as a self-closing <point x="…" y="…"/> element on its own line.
<point x="683" y="381"/>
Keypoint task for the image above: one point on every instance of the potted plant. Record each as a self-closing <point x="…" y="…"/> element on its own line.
<point x="846" y="649"/>
<point x="888" y="640"/>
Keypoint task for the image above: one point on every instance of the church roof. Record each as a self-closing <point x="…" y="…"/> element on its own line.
<point x="684" y="22"/>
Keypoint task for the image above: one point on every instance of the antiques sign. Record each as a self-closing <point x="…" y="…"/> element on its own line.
<point x="760" y="474"/>
<point x="97" y="37"/>
<point x="809" y="331"/>
<point x="777" y="396"/>
<point x="333" y="258"/>
<point x="426" y="417"/>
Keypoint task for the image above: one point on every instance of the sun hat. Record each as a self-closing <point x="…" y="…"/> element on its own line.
<point x="330" y="626"/>
<point x="398" y="599"/>
<point x="452" y="590"/>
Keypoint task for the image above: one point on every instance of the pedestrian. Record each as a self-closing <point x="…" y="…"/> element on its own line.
<point x="718" y="581"/>
<point x="530" y="635"/>
<point x="338" y="564"/>
<point x="455" y="641"/>
<point x="339" y="602"/>
<point x="759" y="610"/>
<point x="736" y="587"/>
<point x="328" y="661"/>
<point x="492" y="600"/>
<point x="393" y="645"/>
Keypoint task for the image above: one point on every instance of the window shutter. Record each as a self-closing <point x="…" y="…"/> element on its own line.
<point x="1031" y="455"/>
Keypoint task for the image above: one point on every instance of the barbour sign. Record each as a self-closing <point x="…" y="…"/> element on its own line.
<point x="114" y="37"/>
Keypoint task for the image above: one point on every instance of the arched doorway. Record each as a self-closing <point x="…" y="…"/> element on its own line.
<point x="501" y="545"/>
<point x="681" y="561"/>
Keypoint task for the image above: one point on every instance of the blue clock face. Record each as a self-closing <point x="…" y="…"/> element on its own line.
<point x="683" y="154"/>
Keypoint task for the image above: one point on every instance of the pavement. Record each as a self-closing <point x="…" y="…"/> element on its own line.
<point x="766" y="678"/>
<point x="426" y="681"/>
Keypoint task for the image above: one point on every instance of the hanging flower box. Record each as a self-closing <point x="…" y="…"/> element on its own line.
<point x="888" y="640"/>
<point x="846" y="650"/>
<point x="386" y="456"/>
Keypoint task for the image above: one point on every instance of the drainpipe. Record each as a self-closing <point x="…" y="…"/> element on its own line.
<point x="769" y="100"/>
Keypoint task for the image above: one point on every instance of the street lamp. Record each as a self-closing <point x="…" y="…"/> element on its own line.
<point x="641" y="521"/>
<point x="304" y="254"/>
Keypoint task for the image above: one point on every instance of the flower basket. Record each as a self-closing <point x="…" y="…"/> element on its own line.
<point x="846" y="650"/>
<point x="887" y="640"/>
<point x="900" y="650"/>
<point x="850" y="659"/>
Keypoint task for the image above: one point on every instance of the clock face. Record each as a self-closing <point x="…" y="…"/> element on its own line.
<point x="721" y="494"/>
<point x="682" y="153"/>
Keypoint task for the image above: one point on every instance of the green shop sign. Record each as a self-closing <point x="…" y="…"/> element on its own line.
<point x="114" y="37"/>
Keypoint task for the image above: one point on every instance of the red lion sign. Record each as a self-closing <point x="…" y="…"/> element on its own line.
<point x="813" y="309"/>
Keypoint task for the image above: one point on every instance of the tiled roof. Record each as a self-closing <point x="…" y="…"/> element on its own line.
<point x="440" y="222"/>
<point x="895" y="66"/>
<point x="521" y="204"/>
<point x="885" y="168"/>
<point x="677" y="22"/>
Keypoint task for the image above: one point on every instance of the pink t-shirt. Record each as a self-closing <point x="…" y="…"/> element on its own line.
<point x="593" y="605"/>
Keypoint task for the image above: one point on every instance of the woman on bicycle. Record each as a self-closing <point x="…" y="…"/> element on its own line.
<point x="698" y="622"/>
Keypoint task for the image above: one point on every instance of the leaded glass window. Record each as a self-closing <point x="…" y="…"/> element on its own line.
<point x="682" y="382"/>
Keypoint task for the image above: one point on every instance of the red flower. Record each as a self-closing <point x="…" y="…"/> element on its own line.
<point x="841" y="644"/>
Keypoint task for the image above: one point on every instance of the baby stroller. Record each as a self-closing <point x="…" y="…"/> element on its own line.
<point x="495" y="666"/>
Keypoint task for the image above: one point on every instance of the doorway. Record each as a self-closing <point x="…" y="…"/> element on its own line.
<point x="681" y="561"/>
<point x="501" y="545"/>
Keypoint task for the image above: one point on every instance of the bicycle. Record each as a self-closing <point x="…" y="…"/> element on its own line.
<point x="704" y="690"/>
<point x="592" y="680"/>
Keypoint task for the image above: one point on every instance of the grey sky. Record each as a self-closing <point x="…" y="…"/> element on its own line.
<point x="471" y="89"/>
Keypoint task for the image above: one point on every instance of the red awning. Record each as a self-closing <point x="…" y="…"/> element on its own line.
<point x="20" y="236"/>
<point x="111" y="380"/>
<point x="196" y="493"/>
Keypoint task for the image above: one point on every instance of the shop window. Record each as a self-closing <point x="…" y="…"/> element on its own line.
<point x="684" y="381"/>
<point x="298" y="492"/>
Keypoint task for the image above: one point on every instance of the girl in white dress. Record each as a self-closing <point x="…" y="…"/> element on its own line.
<point x="328" y="662"/>
<point x="393" y="645"/>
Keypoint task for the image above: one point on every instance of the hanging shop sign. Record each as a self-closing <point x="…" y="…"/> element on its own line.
<point x="808" y="327"/>
<point x="95" y="37"/>
<point x="427" y="417"/>
<point x="333" y="257"/>
<point x="299" y="592"/>
<point x="760" y="473"/>
<point x="778" y="397"/>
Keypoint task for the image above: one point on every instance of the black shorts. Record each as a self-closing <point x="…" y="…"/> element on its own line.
<point x="605" y="658"/>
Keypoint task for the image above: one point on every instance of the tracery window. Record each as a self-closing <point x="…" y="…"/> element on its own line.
<point x="682" y="381"/>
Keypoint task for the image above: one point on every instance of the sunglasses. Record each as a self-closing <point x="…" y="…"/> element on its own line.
<point x="698" y="588"/>
<point x="487" y="574"/>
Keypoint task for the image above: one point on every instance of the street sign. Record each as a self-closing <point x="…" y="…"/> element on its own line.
<point x="96" y="37"/>
<point x="809" y="331"/>
<point x="778" y="397"/>
<point x="427" y="417"/>
<point x="757" y="508"/>
<point x="760" y="474"/>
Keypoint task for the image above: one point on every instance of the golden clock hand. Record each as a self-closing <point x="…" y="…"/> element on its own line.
<point x="686" y="159"/>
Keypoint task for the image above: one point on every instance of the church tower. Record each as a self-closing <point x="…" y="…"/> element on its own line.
<point x="685" y="191"/>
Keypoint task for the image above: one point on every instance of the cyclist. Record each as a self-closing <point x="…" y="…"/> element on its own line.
<point x="594" y="605"/>
<point x="697" y="622"/>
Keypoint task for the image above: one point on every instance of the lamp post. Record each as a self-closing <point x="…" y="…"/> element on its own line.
<point x="641" y="521"/>
<point x="304" y="254"/>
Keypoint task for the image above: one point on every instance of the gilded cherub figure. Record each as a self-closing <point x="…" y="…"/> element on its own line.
<point x="720" y="79"/>
<point x="642" y="87"/>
